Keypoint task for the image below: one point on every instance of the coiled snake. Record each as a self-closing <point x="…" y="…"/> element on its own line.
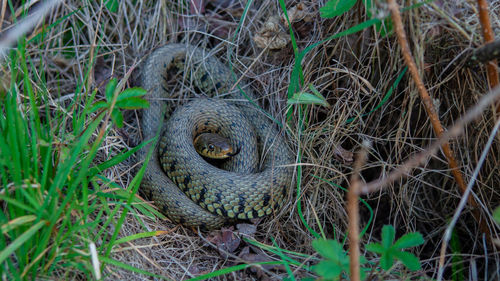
<point x="196" y="193"/>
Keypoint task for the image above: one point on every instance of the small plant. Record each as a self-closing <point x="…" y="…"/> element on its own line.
<point x="130" y="98"/>
<point x="390" y="250"/>
<point x="336" y="260"/>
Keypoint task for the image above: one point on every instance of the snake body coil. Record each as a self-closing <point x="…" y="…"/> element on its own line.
<point x="195" y="193"/>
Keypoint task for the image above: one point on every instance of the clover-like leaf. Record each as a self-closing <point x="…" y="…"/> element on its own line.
<point x="327" y="269"/>
<point x="390" y="250"/>
<point x="329" y="249"/>
<point x="336" y="260"/>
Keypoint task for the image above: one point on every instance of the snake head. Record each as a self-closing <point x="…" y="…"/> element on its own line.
<point x="213" y="146"/>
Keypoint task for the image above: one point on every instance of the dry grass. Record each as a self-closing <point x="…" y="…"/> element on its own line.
<point x="353" y="73"/>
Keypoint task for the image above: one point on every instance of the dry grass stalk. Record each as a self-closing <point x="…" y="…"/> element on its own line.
<point x="431" y="112"/>
<point x="421" y="157"/>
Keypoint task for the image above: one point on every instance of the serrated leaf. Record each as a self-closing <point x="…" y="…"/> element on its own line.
<point x="388" y="234"/>
<point x="307" y="98"/>
<point x="98" y="105"/>
<point x="327" y="269"/>
<point x="409" y="260"/>
<point x="132" y="103"/>
<point x="376" y="248"/>
<point x="386" y="260"/>
<point x="117" y="118"/>
<point x="110" y="89"/>
<point x="329" y="249"/>
<point x="131" y="92"/>
<point x="335" y="8"/>
<point x="409" y="240"/>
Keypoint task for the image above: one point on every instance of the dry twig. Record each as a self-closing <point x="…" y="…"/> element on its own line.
<point x="419" y="158"/>
<point x="491" y="67"/>
<point x="431" y="112"/>
<point x="353" y="212"/>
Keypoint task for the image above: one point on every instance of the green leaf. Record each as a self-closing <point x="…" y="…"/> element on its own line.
<point x="329" y="249"/>
<point x="110" y="89"/>
<point x="132" y="103"/>
<point x="496" y="215"/>
<point x="112" y="5"/>
<point x="307" y="98"/>
<point x="386" y="260"/>
<point x="327" y="269"/>
<point x="388" y="234"/>
<point x="409" y="240"/>
<point x="98" y="105"/>
<point x="131" y="92"/>
<point x="390" y="251"/>
<point x="17" y="222"/>
<point x="376" y="248"/>
<point x="409" y="260"/>
<point x="5" y="253"/>
<point x="140" y="235"/>
<point x="117" y="117"/>
<point x="335" y="8"/>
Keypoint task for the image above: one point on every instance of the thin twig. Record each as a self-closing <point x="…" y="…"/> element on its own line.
<point x="353" y="213"/>
<point x="420" y="157"/>
<point x="463" y="201"/>
<point x="431" y="112"/>
<point x="489" y="36"/>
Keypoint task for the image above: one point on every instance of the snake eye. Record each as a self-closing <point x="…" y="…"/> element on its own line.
<point x="211" y="147"/>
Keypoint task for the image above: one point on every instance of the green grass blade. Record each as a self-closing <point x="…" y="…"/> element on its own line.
<point x="19" y="241"/>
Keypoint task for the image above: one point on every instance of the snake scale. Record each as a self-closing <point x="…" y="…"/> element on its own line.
<point x="181" y="183"/>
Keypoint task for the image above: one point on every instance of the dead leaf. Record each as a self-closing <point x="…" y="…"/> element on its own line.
<point x="226" y="240"/>
<point x="247" y="229"/>
<point x="272" y="35"/>
<point x="344" y="155"/>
